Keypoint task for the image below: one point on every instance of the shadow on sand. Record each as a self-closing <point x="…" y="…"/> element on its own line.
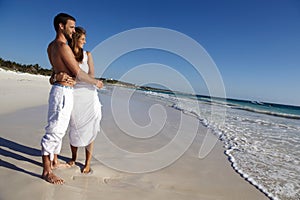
<point x="15" y="150"/>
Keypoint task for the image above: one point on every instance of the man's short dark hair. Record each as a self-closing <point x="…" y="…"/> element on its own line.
<point x="62" y="18"/>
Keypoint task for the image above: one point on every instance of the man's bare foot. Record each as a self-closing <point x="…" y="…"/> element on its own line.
<point x="86" y="169"/>
<point x="60" y="165"/>
<point x="53" y="179"/>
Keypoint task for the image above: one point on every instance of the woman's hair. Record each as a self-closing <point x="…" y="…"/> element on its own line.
<point x="79" y="31"/>
<point x="62" y="18"/>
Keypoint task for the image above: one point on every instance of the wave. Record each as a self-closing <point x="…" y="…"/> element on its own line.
<point x="277" y="110"/>
<point x="276" y="114"/>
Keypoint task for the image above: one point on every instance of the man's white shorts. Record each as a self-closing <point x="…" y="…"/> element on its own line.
<point x="59" y="113"/>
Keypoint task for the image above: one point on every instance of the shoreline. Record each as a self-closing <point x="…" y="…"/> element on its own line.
<point x="187" y="178"/>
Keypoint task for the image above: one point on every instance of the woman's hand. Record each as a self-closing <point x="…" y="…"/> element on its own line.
<point x="99" y="84"/>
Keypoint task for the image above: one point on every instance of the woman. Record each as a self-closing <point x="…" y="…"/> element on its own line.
<point x="86" y="115"/>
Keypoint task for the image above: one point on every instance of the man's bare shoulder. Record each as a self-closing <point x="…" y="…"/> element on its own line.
<point x="50" y="46"/>
<point x="59" y="48"/>
<point x="57" y="44"/>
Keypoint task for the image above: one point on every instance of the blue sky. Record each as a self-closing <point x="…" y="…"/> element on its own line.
<point x="255" y="44"/>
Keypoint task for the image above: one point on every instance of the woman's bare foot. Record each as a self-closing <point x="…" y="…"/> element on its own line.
<point x="86" y="169"/>
<point x="71" y="163"/>
<point x="53" y="179"/>
<point x="56" y="165"/>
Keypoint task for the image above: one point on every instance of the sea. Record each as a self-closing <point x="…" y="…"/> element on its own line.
<point x="261" y="140"/>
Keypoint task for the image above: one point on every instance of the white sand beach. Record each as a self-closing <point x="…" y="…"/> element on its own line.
<point x="23" y="112"/>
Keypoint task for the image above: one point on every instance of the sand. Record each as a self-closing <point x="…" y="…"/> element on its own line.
<point x="23" y="101"/>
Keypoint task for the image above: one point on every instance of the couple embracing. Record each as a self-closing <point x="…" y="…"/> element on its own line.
<point x="73" y="99"/>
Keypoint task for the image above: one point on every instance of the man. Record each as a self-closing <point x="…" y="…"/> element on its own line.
<point x="62" y="59"/>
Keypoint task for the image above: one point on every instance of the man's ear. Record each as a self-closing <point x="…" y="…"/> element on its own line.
<point x="61" y="26"/>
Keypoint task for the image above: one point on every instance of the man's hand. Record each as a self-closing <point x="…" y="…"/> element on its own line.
<point x="64" y="77"/>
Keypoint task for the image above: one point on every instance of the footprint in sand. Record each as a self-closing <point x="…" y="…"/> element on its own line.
<point x="97" y="180"/>
<point x="109" y="180"/>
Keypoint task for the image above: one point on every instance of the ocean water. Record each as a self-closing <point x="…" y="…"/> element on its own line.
<point x="262" y="140"/>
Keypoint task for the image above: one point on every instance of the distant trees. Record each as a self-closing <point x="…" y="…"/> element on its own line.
<point x="31" y="69"/>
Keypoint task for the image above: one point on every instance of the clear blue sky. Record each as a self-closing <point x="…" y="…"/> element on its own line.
<point x="254" y="43"/>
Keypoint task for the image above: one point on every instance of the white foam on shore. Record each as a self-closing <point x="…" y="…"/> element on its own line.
<point x="246" y="176"/>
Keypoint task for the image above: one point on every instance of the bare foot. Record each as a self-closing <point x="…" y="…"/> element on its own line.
<point x="60" y="165"/>
<point x="53" y="179"/>
<point x="86" y="169"/>
<point x="71" y="163"/>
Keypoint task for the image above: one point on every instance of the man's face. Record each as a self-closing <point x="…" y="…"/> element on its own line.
<point x="69" y="29"/>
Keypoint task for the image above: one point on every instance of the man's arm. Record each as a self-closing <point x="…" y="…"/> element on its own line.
<point x="61" y="77"/>
<point x="70" y="61"/>
<point x="51" y="79"/>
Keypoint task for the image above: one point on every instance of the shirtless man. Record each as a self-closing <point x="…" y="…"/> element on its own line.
<point x="62" y="59"/>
